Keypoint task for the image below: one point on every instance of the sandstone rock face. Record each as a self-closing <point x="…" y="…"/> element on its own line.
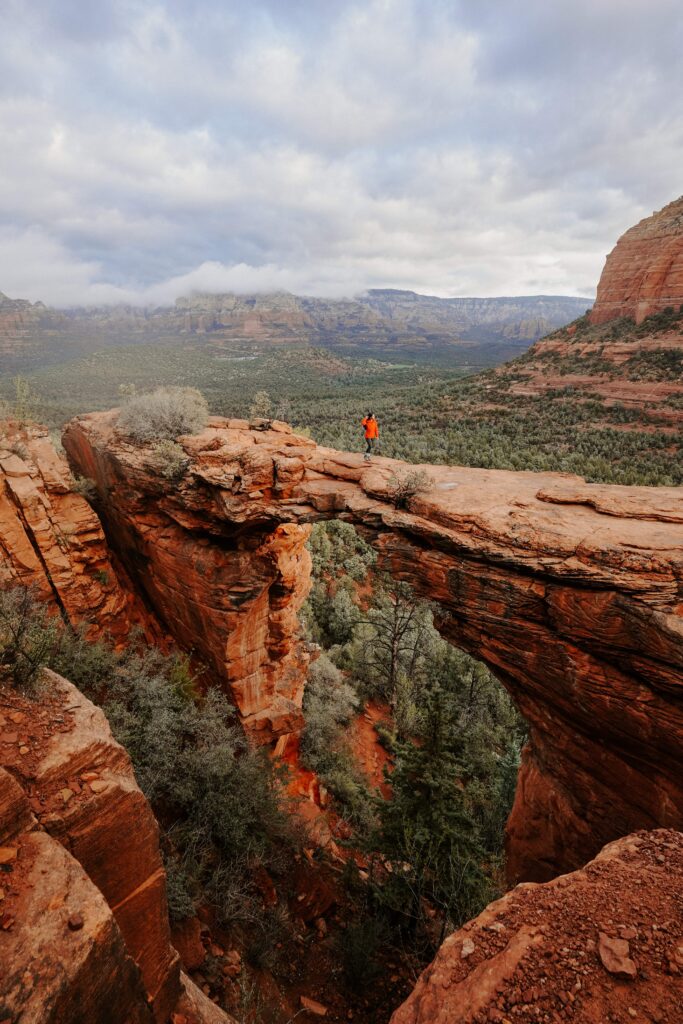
<point x="84" y="931"/>
<point x="644" y="272"/>
<point x="596" y="945"/>
<point x="228" y="590"/>
<point x="569" y="591"/>
<point x="87" y="891"/>
<point x="51" y="539"/>
<point x="51" y="972"/>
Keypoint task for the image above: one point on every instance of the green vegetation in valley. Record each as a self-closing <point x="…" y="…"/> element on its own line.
<point x="426" y="414"/>
<point x="451" y="730"/>
<point x="219" y="802"/>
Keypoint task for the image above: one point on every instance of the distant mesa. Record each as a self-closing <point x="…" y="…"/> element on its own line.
<point x="382" y="323"/>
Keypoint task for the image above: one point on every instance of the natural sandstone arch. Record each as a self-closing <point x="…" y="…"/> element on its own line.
<point x="570" y="592"/>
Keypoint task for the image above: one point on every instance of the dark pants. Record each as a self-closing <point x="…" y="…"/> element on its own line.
<point x="370" y="443"/>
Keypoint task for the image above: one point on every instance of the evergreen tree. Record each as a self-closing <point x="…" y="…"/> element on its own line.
<point x="425" y="833"/>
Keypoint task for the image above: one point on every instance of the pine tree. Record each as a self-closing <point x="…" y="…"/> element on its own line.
<point x="425" y="833"/>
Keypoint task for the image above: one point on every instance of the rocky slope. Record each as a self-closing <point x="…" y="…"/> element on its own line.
<point x="522" y="318"/>
<point x="629" y="350"/>
<point x="644" y="272"/>
<point x="85" y="933"/>
<point x="52" y="541"/>
<point x="569" y="592"/>
<point x="384" y="322"/>
<point x="602" y="944"/>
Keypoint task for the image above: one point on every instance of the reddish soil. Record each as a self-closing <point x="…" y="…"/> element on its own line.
<point x="369" y="754"/>
<point x="540" y="953"/>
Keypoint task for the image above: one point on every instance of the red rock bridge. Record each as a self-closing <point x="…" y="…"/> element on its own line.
<point x="570" y="592"/>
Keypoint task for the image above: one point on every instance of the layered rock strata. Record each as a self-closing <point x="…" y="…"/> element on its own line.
<point x="62" y="953"/>
<point x="84" y="931"/>
<point x="570" y="592"/>
<point x="52" y="540"/>
<point x="603" y="943"/>
<point x="87" y="893"/>
<point x="644" y="272"/>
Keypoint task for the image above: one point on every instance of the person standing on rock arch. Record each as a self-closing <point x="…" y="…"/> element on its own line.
<point x="371" y="428"/>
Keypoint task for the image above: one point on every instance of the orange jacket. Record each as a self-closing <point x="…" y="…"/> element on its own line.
<point x="371" y="426"/>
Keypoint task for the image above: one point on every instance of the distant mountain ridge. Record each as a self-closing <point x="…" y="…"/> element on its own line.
<point x="383" y="323"/>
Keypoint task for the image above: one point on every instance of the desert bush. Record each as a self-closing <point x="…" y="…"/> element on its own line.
<point x="170" y="459"/>
<point x="19" y="449"/>
<point x="28" y="637"/>
<point x="181" y="903"/>
<point x="405" y="484"/>
<point x="84" y="486"/>
<point x="360" y="945"/>
<point x="163" y="414"/>
<point x="220" y="804"/>
<point x="336" y="547"/>
<point x="261" y="406"/>
<point x="329" y="704"/>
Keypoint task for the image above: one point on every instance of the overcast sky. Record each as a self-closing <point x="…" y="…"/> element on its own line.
<point x="456" y="147"/>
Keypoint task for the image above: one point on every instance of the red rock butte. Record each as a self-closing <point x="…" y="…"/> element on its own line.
<point x="570" y="592"/>
<point x="644" y="272"/>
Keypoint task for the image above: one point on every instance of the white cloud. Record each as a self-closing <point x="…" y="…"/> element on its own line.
<point x="327" y="149"/>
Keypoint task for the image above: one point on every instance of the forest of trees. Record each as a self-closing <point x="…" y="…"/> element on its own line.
<point x="452" y="732"/>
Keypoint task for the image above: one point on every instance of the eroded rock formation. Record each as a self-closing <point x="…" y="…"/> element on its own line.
<point x="85" y="933"/>
<point x="381" y="321"/>
<point x="570" y="592"/>
<point x="78" y="810"/>
<point x="644" y="272"/>
<point x="52" y="541"/>
<point x="603" y="943"/>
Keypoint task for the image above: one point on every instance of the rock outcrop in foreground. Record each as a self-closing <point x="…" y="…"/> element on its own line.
<point x="602" y="944"/>
<point x="570" y="592"/>
<point x="644" y="272"/>
<point x="72" y="805"/>
<point x="84" y="932"/>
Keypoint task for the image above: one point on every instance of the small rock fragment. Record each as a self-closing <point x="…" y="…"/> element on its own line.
<point x="8" y="854"/>
<point x="614" y="955"/>
<point x="66" y="794"/>
<point x="317" y="1009"/>
<point x="98" y="786"/>
<point x="467" y="949"/>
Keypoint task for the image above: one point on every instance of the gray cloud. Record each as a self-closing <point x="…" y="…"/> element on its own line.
<point x="452" y="147"/>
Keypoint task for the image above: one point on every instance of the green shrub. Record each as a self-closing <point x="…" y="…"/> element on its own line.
<point x="28" y="637"/>
<point x="84" y="486"/>
<point x="220" y="804"/>
<point x="170" y="460"/>
<point x="261" y="406"/>
<point x="360" y="945"/>
<point x="329" y="704"/>
<point x="164" y="414"/>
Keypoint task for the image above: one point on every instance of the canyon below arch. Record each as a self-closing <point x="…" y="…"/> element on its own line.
<point x="570" y="592"/>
